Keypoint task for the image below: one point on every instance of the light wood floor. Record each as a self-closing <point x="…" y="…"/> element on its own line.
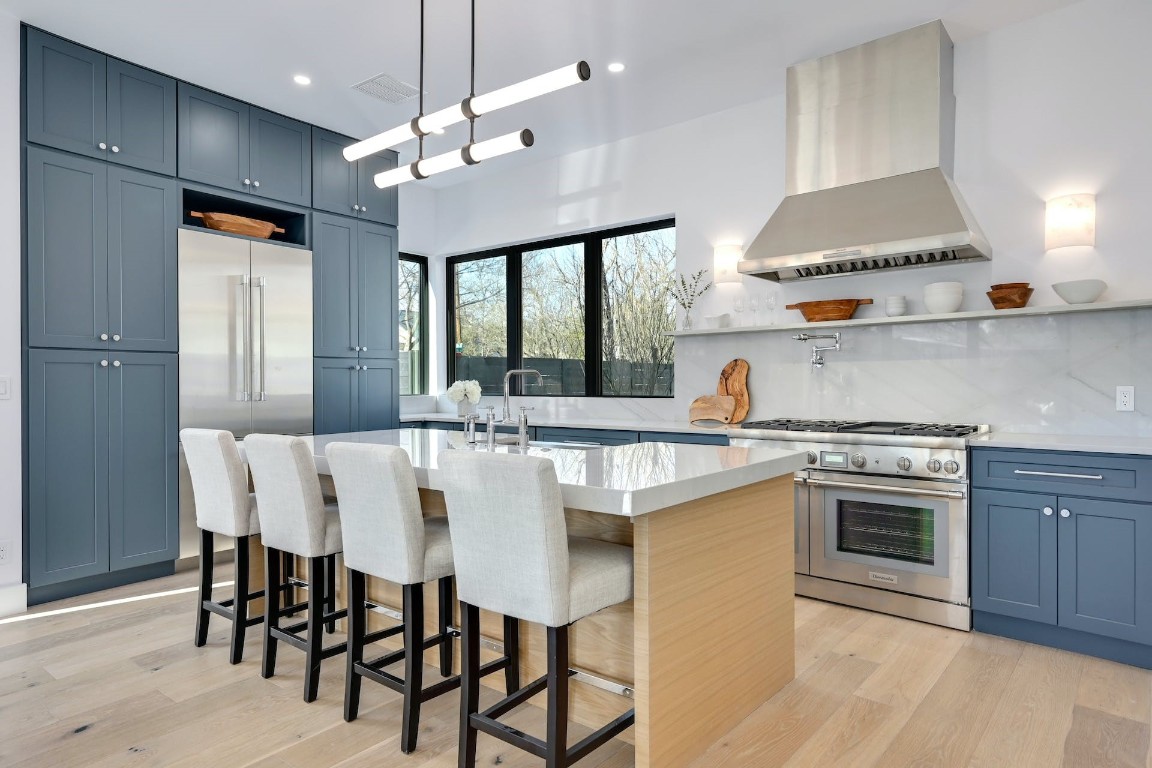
<point x="124" y="686"/>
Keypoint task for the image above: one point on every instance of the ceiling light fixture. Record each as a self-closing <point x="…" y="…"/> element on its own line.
<point x="616" y="66"/>
<point x="470" y="108"/>
<point x="469" y="154"/>
<point x="302" y="80"/>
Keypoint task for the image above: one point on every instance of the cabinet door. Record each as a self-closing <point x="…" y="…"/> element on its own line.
<point x="593" y="436"/>
<point x="335" y="286"/>
<point x="67" y="209"/>
<point x="67" y="465"/>
<point x="281" y="155"/>
<point x="337" y="394"/>
<point x="1014" y="554"/>
<point x="379" y="394"/>
<point x="143" y="212"/>
<point x="1106" y="568"/>
<point x="143" y="485"/>
<point x="213" y="139"/>
<point x="141" y="118"/>
<point x="376" y="204"/>
<point x="695" y="438"/>
<point x="379" y="262"/>
<point x="333" y="177"/>
<point x="66" y="101"/>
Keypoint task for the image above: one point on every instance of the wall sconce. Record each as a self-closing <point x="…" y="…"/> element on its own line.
<point x="724" y="261"/>
<point x="1070" y="220"/>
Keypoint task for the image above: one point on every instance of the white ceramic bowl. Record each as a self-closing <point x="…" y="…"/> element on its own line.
<point x="717" y="321"/>
<point x="942" y="305"/>
<point x="1080" y="291"/>
<point x="894" y="306"/>
<point x="945" y="287"/>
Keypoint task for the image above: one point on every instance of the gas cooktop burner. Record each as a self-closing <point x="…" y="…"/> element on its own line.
<point x="805" y="425"/>
<point x="936" y="430"/>
<point x="864" y="427"/>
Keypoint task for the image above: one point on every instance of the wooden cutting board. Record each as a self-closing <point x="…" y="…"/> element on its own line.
<point x="712" y="408"/>
<point x="734" y="383"/>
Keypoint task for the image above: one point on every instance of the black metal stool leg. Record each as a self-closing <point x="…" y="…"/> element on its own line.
<point x="469" y="682"/>
<point x="317" y="578"/>
<point x="512" y="651"/>
<point x="271" y="610"/>
<point x="357" y="619"/>
<point x="444" y="599"/>
<point x="556" y="751"/>
<point x="240" y="601"/>
<point x="330" y="591"/>
<point x="205" y="592"/>
<point x="413" y="664"/>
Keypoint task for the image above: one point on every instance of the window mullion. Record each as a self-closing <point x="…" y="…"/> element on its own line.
<point x="593" y="319"/>
<point x="515" y="273"/>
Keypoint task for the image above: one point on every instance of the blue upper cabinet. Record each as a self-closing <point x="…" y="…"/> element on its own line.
<point x="84" y="102"/>
<point x="233" y="145"/>
<point x="347" y="188"/>
<point x="379" y="263"/>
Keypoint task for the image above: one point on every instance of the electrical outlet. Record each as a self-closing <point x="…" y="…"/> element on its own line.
<point x="5" y="549"/>
<point x="1126" y="398"/>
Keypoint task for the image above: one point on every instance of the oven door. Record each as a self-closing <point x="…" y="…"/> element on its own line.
<point x="898" y="534"/>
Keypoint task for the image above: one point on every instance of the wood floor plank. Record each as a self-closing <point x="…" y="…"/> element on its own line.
<point x="1117" y="689"/>
<point x="1101" y="740"/>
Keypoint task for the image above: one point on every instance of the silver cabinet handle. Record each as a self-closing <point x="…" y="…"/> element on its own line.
<point x="262" y="284"/>
<point x="115" y="363"/>
<point x="115" y="148"/>
<point x="102" y="145"/>
<point x="115" y="337"/>
<point x="103" y="363"/>
<point x="887" y="489"/>
<point x="103" y="337"/>
<point x="1073" y="476"/>
<point x="799" y="481"/>
<point x="255" y="183"/>
<point x="246" y="291"/>
<point x="1047" y="511"/>
<point x="1065" y="513"/>
<point x="247" y="182"/>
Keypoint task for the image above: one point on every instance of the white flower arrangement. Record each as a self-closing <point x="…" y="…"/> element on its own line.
<point x="464" y="390"/>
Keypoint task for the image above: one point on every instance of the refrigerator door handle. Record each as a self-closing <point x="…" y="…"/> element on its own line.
<point x="262" y="284"/>
<point x="246" y="336"/>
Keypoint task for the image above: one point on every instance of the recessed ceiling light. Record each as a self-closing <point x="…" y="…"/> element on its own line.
<point x="302" y="80"/>
<point x="616" y="66"/>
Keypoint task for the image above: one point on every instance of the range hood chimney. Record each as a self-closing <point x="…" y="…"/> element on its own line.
<point x="870" y="137"/>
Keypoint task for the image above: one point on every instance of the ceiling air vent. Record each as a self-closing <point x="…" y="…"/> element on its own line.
<point x="387" y="88"/>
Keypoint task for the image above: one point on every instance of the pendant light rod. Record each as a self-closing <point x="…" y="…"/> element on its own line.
<point x="470" y="154"/>
<point x="471" y="108"/>
<point x="420" y="152"/>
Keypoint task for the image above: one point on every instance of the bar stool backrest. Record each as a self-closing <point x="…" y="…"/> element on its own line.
<point x="509" y="537"/>
<point x="380" y="515"/>
<point x="288" y="496"/>
<point x="219" y="482"/>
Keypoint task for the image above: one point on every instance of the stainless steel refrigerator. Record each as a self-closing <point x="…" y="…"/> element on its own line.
<point x="245" y="343"/>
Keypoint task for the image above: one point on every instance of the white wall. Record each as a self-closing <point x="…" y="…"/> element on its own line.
<point x="1049" y="106"/>
<point x="11" y="590"/>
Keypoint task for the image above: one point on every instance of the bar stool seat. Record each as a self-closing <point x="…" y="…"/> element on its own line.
<point x="514" y="556"/>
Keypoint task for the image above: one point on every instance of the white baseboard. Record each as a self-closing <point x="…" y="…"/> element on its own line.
<point x="13" y="599"/>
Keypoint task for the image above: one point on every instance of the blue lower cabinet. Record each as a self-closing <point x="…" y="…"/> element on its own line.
<point x="379" y="394"/>
<point x="1014" y="554"/>
<point x="355" y="395"/>
<point x="695" y="438"/>
<point x="596" y="436"/>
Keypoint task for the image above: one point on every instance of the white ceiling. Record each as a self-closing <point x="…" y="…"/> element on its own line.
<point x="685" y="58"/>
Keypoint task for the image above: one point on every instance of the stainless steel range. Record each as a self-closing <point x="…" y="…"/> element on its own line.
<point x="881" y="513"/>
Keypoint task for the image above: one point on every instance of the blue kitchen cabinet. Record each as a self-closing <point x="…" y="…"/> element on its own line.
<point x="230" y="144"/>
<point x="339" y="186"/>
<point x="102" y="464"/>
<point x="595" y="436"/>
<point x="379" y="386"/>
<point x="378" y="264"/>
<point x="355" y="396"/>
<point x="84" y="102"/>
<point x="1014" y="554"/>
<point x="695" y="438"/>
<point x="101" y="255"/>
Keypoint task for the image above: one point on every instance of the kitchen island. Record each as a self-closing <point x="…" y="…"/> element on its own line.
<point x="709" y="634"/>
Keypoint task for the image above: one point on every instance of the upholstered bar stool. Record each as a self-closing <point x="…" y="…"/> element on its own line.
<point x="386" y="536"/>
<point x="513" y="555"/>
<point x="223" y="506"/>
<point x="294" y="519"/>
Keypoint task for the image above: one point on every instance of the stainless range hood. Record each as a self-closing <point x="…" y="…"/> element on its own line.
<point x="870" y="136"/>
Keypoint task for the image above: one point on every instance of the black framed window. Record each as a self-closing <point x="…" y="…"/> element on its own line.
<point x="591" y="312"/>
<point x="412" y="306"/>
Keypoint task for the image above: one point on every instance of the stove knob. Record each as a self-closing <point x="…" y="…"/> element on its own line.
<point x="811" y="457"/>
<point x="934" y="465"/>
<point x="951" y="467"/>
<point x="859" y="461"/>
<point x="904" y="463"/>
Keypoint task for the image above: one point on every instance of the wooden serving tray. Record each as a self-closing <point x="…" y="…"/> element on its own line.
<point x="237" y="225"/>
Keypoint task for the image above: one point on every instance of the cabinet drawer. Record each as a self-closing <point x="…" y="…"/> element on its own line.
<point x="597" y="436"/>
<point x="1105" y="476"/>
<point x="696" y="438"/>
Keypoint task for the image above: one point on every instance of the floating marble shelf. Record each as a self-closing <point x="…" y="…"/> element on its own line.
<point x="980" y="314"/>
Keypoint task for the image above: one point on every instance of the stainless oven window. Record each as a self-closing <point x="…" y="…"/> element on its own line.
<point x="889" y="531"/>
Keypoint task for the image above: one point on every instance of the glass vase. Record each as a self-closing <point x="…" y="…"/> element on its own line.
<point x="687" y="320"/>
<point x="464" y="408"/>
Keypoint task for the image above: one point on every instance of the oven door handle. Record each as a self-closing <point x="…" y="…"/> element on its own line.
<point x="887" y="489"/>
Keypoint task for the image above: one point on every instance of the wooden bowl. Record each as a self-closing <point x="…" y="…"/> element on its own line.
<point x="1010" y="298"/>
<point x="830" y="309"/>
<point x="237" y="225"/>
<point x="1002" y="286"/>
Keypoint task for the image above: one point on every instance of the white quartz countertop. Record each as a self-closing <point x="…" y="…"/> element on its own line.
<point x="1052" y="442"/>
<point x="636" y="425"/>
<point x="628" y="480"/>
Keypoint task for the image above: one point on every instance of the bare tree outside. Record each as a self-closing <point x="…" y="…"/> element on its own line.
<point x="554" y="310"/>
<point x="411" y="328"/>
<point x="481" y="330"/>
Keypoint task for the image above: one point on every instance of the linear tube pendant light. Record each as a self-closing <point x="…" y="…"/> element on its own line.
<point x="469" y="154"/>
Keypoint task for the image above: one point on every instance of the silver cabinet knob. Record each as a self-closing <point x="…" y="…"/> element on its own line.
<point x="102" y="145"/>
<point x="103" y="337"/>
<point x="951" y="467"/>
<point x="115" y="337"/>
<point x="103" y="363"/>
<point x="363" y="209"/>
<point x="1065" y="513"/>
<point x="904" y="463"/>
<point x="1048" y="511"/>
<point x="355" y="207"/>
<point x="363" y="349"/>
<point x="811" y="457"/>
<point x="115" y="148"/>
<point x="859" y="460"/>
<point x="934" y="465"/>
<point x="255" y="183"/>
<point x="247" y="182"/>
<point x="115" y="363"/>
